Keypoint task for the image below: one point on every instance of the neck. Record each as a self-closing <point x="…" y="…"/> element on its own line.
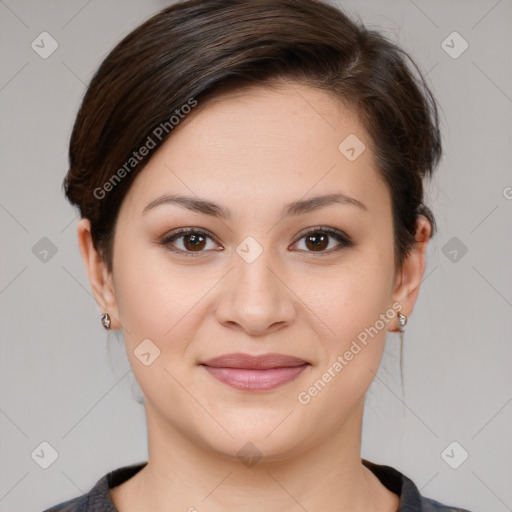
<point x="191" y="477"/>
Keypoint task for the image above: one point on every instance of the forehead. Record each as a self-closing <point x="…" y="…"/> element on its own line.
<point x="269" y="144"/>
<point x="282" y="112"/>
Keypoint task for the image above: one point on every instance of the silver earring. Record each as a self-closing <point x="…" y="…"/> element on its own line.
<point x="105" y="320"/>
<point x="402" y="320"/>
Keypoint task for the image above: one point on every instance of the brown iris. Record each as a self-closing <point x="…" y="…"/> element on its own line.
<point x="318" y="240"/>
<point x="194" y="241"/>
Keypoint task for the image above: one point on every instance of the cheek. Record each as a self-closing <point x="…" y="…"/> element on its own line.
<point x="352" y="297"/>
<point x="142" y="294"/>
<point x="153" y="305"/>
<point x="162" y="302"/>
<point x="352" y="348"/>
<point x="150" y="297"/>
<point x="354" y="311"/>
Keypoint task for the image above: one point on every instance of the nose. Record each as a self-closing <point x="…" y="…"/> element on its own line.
<point x="255" y="297"/>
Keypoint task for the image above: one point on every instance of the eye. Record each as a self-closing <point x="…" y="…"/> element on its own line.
<point x="317" y="240"/>
<point x="193" y="240"/>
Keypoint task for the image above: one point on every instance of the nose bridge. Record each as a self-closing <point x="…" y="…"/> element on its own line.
<point x="254" y="297"/>
<point x="257" y="279"/>
<point x="255" y="284"/>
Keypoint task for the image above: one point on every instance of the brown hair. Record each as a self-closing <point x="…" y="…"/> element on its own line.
<point x="195" y="49"/>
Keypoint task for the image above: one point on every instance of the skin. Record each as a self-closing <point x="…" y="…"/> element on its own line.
<point x="253" y="151"/>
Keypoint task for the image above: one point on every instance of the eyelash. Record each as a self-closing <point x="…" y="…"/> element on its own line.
<point x="338" y="235"/>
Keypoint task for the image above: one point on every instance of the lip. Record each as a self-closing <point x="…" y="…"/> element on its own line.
<point x="250" y="362"/>
<point x="255" y="373"/>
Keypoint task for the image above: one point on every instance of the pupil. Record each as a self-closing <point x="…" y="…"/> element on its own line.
<point x="318" y="240"/>
<point x="194" y="241"/>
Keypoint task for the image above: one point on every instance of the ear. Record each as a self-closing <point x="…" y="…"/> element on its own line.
<point x="407" y="285"/>
<point x="100" y="278"/>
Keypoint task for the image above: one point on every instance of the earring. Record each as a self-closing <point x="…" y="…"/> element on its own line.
<point x="402" y="320"/>
<point x="105" y="320"/>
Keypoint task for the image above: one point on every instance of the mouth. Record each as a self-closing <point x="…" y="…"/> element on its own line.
<point x="255" y="373"/>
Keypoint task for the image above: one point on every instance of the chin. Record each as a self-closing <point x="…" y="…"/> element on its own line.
<point x="270" y="435"/>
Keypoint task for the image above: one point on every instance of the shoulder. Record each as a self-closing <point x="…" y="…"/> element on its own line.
<point x="410" y="498"/>
<point x="80" y="504"/>
<point x="98" y="498"/>
<point x="430" y="505"/>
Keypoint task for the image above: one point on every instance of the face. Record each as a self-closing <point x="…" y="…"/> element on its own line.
<point x="262" y="268"/>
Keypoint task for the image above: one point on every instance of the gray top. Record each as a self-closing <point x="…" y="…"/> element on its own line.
<point x="98" y="498"/>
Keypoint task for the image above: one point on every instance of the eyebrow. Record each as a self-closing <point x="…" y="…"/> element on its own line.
<point x="216" y="210"/>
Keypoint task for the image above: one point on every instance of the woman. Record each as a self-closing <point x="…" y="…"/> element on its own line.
<point x="250" y="180"/>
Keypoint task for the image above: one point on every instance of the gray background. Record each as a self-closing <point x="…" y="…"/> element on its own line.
<point x="64" y="381"/>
